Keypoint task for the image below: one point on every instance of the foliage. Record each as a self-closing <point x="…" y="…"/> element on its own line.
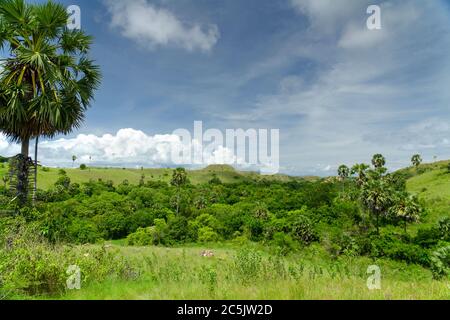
<point x="440" y="262"/>
<point x="30" y="265"/>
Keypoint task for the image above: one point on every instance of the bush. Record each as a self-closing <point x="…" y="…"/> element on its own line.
<point x="284" y="242"/>
<point x="150" y="236"/>
<point x="29" y="265"/>
<point x="303" y="230"/>
<point x="440" y="262"/>
<point x="392" y="246"/>
<point x="83" y="167"/>
<point x="143" y="237"/>
<point x="444" y="228"/>
<point x="207" y="234"/>
<point x="427" y="237"/>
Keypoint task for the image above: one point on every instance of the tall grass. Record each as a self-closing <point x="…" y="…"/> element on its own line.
<point x="250" y="274"/>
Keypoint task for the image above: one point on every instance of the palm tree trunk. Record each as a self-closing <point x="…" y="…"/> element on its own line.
<point x="22" y="187"/>
<point x="25" y="147"/>
<point x="35" y="170"/>
<point x="378" y="224"/>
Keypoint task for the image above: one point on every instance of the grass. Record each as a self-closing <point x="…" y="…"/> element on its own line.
<point x="182" y="274"/>
<point x="226" y="174"/>
<point x="432" y="187"/>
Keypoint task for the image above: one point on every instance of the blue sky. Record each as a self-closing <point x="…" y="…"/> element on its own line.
<point x="338" y="92"/>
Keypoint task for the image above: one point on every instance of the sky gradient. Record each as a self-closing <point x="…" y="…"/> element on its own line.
<point x="338" y="92"/>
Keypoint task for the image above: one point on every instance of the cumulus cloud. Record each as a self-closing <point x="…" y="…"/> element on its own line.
<point x="151" y="26"/>
<point x="126" y="148"/>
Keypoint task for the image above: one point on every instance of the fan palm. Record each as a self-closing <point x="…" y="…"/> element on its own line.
<point x="343" y="173"/>
<point x="407" y="208"/>
<point x="47" y="82"/>
<point x="376" y="197"/>
<point x="378" y="161"/>
<point x="361" y="171"/>
<point x="416" y="160"/>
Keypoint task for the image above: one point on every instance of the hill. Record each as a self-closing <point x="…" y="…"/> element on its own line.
<point x="227" y="174"/>
<point x="431" y="183"/>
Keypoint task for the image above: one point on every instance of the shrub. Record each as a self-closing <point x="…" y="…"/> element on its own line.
<point x="207" y="234"/>
<point x="143" y="237"/>
<point x="440" y="262"/>
<point x="284" y="242"/>
<point x="150" y="236"/>
<point x="83" y="167"/>
<point x="428" y="237"/>
<point x="444" y="228"/>
<point x="392" y="246"/>
<point x="29" y="265"/>
<point x="303" y="230"/>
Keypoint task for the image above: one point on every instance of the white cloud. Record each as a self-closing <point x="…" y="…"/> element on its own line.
<point x="371" y="91"/>
<point x="127" y="148"/>
<point x="151" y="27"/>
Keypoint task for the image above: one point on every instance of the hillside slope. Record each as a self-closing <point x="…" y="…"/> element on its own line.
<point x="226" y="174"/>
<point x="431" y="183"/>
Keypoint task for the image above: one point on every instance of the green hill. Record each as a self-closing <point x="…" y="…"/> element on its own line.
<point x="431" y="183"/>
<point x="227" y="174"/>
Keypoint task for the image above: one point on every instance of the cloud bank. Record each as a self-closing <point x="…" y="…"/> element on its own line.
<point x="126" y="148"/>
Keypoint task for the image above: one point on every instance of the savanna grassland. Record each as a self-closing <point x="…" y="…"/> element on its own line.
<point x="264" y="237"/>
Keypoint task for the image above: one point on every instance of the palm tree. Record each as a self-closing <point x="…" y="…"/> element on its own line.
<point x="74" y="158"/>
<point x="47" y="82"/>
<point x="416" y="160"/>
<point x="179" y="179"/>
<point x="376" y="197"/>
<point x="343" y="173"/>
<point x="361" y="171"/>
<point x="378" y="161"/>
<point x="406" y="207"/>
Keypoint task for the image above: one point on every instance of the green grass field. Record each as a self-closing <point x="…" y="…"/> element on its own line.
<point x="433" y="187"/>
<point x="181" y="274"/>
<point x="226" y="174"/>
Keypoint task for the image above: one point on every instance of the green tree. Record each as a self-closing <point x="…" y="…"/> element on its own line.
<point x="378" y="161"/>
<point x="376" y="198"/>
<point x="416" y="160"/>
<point x="343" y="173"/>
<point x="179" y="179"/>
<point x="361" y="171"/>
<point x="407" y="208"/>
<point x="74" y="158"/>
<point x="47" y="81"/>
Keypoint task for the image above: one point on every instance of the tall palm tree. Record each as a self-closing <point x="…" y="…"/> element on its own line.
<point x="407" y="208"/>
<point x="47" y="81"/>
<point x="378" y="161"/>
<point x="376" y="197"/>
<point x="416" y="160"/>
<point x="343" y="173"/>
<point x="179" y="179"/>
<point x="361" y="171"/>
